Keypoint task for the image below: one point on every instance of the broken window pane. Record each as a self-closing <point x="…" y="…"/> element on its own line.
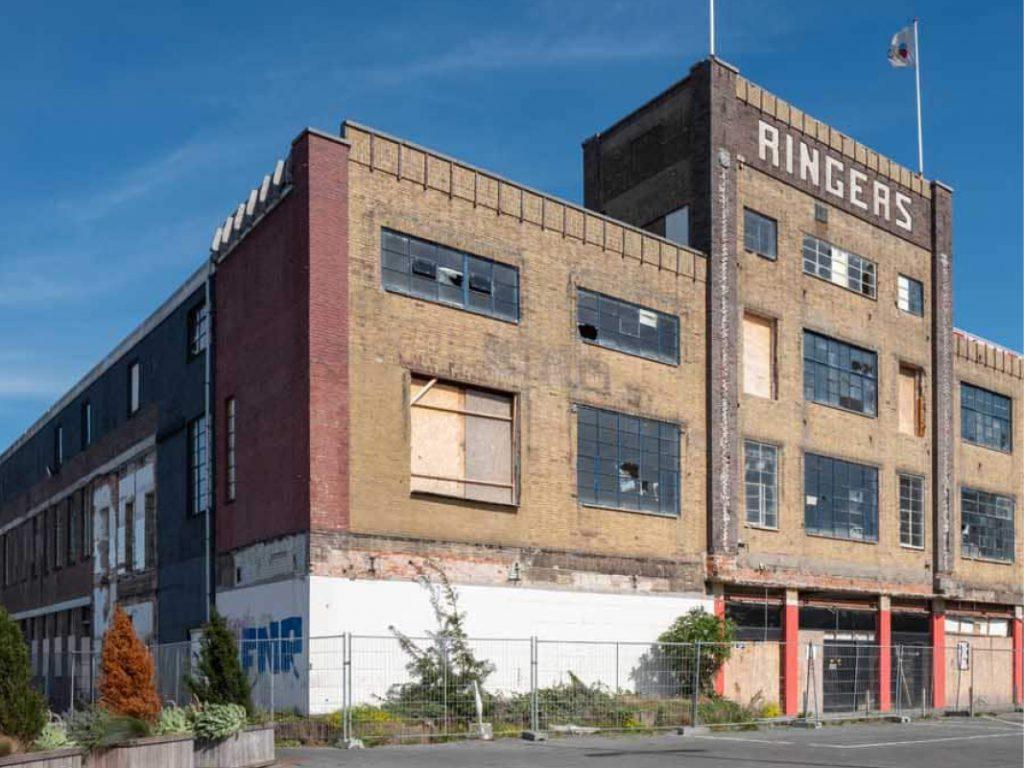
<point x="985" y="417"/>
<point x="840" y="498"/>
<point x="840" y="267"/>
<point x="437" y="273"/>
<point x="986" y="525"/>
<point x="627" y="462"/>
<point x="839" y="374"/>
<point x="627" y="327"/>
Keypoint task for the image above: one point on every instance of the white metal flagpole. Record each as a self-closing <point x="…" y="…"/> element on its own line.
<point x="917" y="78"/>
<point x="711" y="26"/>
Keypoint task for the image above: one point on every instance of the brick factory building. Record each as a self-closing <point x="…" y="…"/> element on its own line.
<point x="729" y="380"/>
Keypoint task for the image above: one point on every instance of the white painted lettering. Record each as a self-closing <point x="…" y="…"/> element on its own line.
<point x="881" y="197"/>
<point x="857" y="180"/>
<point x="768" y="140"/>
<point x="789" y="154"/>
<point x="903" y="219"/>
<point x="809" y="165"/>
<point x="833" y="176"/>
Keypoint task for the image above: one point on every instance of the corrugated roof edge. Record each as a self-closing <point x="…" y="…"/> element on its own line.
<point x="175" y="300"/>
<point x="505" y="180"/>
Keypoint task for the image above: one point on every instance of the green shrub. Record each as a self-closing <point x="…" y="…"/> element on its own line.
<point x="53" y="736"/>
<point x="221" y="677"/>
<point x="693" y="648"/>
<point x="22" y="709"/>
<point x="173" y="720"/>
<point x="217" y="721"/>
<point x="96" y="728"/>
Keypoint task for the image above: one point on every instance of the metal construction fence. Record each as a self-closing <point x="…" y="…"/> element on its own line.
<point x="389" y="689"/>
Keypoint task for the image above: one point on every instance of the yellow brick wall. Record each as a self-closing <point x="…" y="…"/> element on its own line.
<point x="987" y="469"/>
<point x="779" y="289"/>
<point x="541" y="358"/>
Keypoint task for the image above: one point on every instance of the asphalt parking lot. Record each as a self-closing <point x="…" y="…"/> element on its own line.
<point x="984" y="742"/>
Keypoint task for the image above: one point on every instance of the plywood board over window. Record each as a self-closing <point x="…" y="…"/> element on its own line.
<point x="461" y="441"/>
<point x="758" y="356"/>
<point x="911" y="401"/>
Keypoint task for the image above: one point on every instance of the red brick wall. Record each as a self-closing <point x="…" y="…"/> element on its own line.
<point x="284" y="278"/>
<point x="328" y="336"/>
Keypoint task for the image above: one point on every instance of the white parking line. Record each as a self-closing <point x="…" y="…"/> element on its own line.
<point x="1015" y="733"/>
<point x="742" y="738"/>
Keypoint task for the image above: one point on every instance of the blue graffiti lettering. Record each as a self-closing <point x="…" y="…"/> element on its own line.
<point x="273" y="646"/>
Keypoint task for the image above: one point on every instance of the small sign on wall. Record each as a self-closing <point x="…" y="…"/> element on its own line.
<point x="963" y="655"/>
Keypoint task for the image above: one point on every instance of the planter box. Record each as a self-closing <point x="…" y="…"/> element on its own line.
<point x="249" y="748"/>
<point x="151" y="752"/>
<point x="54" y="758"/>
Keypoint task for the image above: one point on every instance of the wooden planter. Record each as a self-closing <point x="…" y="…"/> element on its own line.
<point x="54" y="758"/>
<point x="151" y="752"/>
<point x="249" y="748"/>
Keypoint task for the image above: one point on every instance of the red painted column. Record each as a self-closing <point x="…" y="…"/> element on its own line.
<point x="790" y="653"/>
<point x="883" y="637"/>
<point x="938" y="619"/>
<point x="720" y="674"/>
<point x="1018" y="658"/>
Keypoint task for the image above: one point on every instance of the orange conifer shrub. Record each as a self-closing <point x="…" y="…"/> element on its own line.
<point x="127" y="672"/>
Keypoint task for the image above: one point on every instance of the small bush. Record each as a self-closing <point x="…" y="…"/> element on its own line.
<point x="22" y="709"/>
<point x="221" y="677"/>
<point x="97" y="728"/>
<point x="173" y="720"/>
<point x="53" y="736"/>
<point x="217" y="721"/>
<point x="8" y="746"/>
<point x="127" y="672"/>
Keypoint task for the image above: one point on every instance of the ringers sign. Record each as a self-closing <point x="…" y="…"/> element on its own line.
<point x="836" y="179"/>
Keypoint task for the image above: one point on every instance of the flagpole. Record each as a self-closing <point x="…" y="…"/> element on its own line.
<point x="917" y="79"/>
<point x="711" y="26"/>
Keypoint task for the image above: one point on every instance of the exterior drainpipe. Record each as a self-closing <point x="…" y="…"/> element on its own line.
<point x="207" y="416"/>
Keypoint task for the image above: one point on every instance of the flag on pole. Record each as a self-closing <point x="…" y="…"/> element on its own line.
<point x="902" y="49"/>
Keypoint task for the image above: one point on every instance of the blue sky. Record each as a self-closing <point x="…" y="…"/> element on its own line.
<point x="129" y="133"/>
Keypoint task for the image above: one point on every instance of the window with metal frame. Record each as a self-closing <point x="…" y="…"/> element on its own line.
<point x="58" y="447"/>
<point x="986" y="418"/>
<point x="198" y="329"/>
<point x="760" y="234"/>
<point x="229" y="436"/>
<point x="840" y="374"/>
<point x="134" y="388"/>
<point x="840" y="498"/>
<point x="677" y="226"/>
<point x="845" y="269"/>
<point x="199" y="479"/>
<point x="626" y="327"/>
<point x="436" y="273"/>
<point x="910" y="295"/>
<point x="462" y="441"/>
<point x="911" y="511"/>
<point x="986" y="525"/>
<point x="86" y="429"/>
<point x="761" y="482"/>
<point x="627" y="462"/>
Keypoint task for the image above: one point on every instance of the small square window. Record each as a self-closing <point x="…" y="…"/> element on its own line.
<point x="821" y="213"/>
<point x="910" y="295"/>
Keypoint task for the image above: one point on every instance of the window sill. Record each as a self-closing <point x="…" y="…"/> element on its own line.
<point x="992" y="560"/>
<point x="602" y="507"/>
<point x="994" y="449"/>
<point x="757" y="527"/>
<point x="842" y="287"/>
<point x="872" y="542"/>
<point x="842" y="410"/>
<point x="764" y="256"/>
<point x="650" y="358"/>
<point x="912" y="547"/>
<point x="494" y="506"/>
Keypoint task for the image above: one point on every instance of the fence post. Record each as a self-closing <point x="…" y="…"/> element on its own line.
<point x="273" y="658"/>
<point x="534" y="704"/>
<point x="344" y="689"/>
<point x="696" y="685"/>
<point x="973" y="661"/>
<point x="72" y="699"/>
<point x="444" y="681"/>
<point x="616" y="667"/>
<point x="899" y="680"/>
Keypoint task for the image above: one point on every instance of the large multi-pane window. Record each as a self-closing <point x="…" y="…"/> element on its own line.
<point x="627" y="327"/>
<point x="760" y="234"/>
<point x="910" y="295"/>
<point x="985" y="417"/>
<point x="911" y="511"/>
<point x="199" y="478"/>
<point x="853" y="272"/>
<point x="462" y="441"/>
<point x="986" y="525"/>
<point x="840" y="498"/>
<point x="627" y="462"/>
<point x="840" y="374"/>
<point x="760" y="462"/>
<point x="445" y="275"/>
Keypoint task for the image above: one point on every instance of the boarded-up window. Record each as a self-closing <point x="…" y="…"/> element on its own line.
<point x="758" y="356"/>
<point x="461" y="442"/>
<point x="911" y="401"/>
